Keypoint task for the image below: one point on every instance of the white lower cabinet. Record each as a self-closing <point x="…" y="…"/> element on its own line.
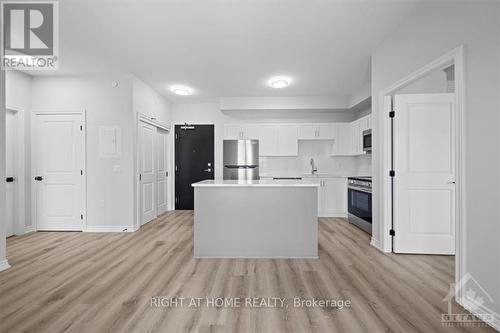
<point x="332" y="197"/>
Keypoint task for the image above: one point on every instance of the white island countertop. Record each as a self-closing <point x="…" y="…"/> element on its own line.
<point x="257" y="183"/>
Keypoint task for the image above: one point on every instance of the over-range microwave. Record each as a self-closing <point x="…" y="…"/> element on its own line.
<point x="367" y="141"/>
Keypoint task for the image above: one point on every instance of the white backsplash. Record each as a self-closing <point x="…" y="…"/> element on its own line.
<point x="326" y="164"/>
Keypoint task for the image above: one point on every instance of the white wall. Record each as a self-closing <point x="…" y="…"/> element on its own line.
<point x="18" y="95"/>
<point x="433" y="30"/>
<point x="109" y="180"/>
<point x="3" y="257"/>
<point x="149" y="102"/>
<point x="434" y="82"/>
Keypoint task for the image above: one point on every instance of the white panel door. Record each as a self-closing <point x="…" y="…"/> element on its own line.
<point x="10" y="171"/>
<point x="288" y="144"/>
<point x="424" y="190"/>
<point x="58" y="166"/>
<point x="268" y="140"/>
<point x="161" y="171"/>
<point x="147" y="172"/>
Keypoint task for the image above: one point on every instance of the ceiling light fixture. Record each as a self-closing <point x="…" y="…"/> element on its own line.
<point x="181" y="90"/>
<point x="279" y="82"/>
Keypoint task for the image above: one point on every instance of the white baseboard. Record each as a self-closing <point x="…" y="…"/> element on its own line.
<point x="376" y="244"/>
<point x="4" y="264"/>
<point x="111" y="228"/>
<point x="481" y="310"/>
<point x="30" y="228"/>
<point x="334" y="215"/>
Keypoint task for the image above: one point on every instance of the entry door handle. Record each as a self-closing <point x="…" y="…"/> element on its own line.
<point x="39" y="178"/>
<point x="451" y="182"/>
<point x="208" y="170"/>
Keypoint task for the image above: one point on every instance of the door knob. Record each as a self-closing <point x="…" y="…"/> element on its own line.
<point x="39" y="178"/>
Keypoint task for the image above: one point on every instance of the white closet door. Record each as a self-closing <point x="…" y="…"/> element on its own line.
<point x="59" y="156"/>
<point x="424" y="185"/>
<point x="148" y="172"/>
<point x="10" y="156"/>
<point x="161" y="171"/>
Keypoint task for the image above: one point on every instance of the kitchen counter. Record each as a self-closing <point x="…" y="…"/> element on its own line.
<point x="256" y="219"/>
<point x="303" y="176"/>
<point x="256" y="183"/>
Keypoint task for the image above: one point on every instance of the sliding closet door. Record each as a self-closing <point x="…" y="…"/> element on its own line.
<point x="147" y="134"/>
<point x="161" y="171"/>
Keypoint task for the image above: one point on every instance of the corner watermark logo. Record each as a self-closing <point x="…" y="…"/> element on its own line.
<point x="30" y="35"/>
<point x="475" y="298"/>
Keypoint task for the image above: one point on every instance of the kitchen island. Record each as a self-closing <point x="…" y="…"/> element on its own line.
<point x="255" y="219"/>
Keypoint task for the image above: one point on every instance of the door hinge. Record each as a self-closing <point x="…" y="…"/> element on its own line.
<point x="392" y="114"/>
<point x="392" y="232"/>
<point x="392" y="173"/>
<point x="81" y="217"/>
<point x="166" y="174"/>
<point x="81" y="172"/>
<point x="175" y="199"/>
<point x="81" y="127"/>
<point x="176" y="168"/>
<point x="140" y="176"/>
<point x="176" y="136"/>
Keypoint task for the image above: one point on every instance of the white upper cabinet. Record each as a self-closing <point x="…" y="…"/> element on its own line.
<point x="288" y="140"/>
<point x="232" y="132"/>
<point x="316" y="132"/>
<point x="342" y="139"/>
<point x="282" y="139"/>
<point x="268" y="140"/>
<point x="250" y="132"/>
<point x="278" y="140"/>
<point x="307" y="132"/>
<point x="240" y="132"/>
<point x="356" y="138"/>
<point x="357" y="129"/>
<point x="365" y="123"/>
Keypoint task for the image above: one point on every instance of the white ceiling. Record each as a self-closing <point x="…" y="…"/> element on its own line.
<point x="228" y="48"/>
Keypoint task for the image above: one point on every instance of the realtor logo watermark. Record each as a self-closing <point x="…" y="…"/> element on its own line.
<point x="30" y="35"/>
<point x="476" y="299"/>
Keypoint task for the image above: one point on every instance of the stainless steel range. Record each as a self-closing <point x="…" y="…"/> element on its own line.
<point x="359" y="196"/>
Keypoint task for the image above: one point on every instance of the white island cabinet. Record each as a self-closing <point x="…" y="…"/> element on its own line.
<point x="255" y="219"/>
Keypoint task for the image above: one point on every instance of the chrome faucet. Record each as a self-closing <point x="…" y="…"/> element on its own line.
<point x="314" y="168"/>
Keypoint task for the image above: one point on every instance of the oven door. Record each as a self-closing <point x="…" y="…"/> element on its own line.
<point x="360" y="204"/>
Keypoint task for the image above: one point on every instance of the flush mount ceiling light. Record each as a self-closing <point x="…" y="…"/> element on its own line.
<point x="181" y="90"/>
<point x="279" y="82"/>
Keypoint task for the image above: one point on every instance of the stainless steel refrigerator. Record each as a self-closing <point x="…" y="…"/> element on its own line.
<point x="241" y="159"/>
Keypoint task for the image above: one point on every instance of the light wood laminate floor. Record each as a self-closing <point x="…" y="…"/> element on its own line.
<point x="103" y="282"/>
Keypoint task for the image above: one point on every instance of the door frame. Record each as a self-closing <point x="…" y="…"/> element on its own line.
<point x="141" y="117"/>
<point x="173" y="151"/>
<point x="455" y="57"/>
<point x="20" y="165"/>
<point x="82" y="113"/>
